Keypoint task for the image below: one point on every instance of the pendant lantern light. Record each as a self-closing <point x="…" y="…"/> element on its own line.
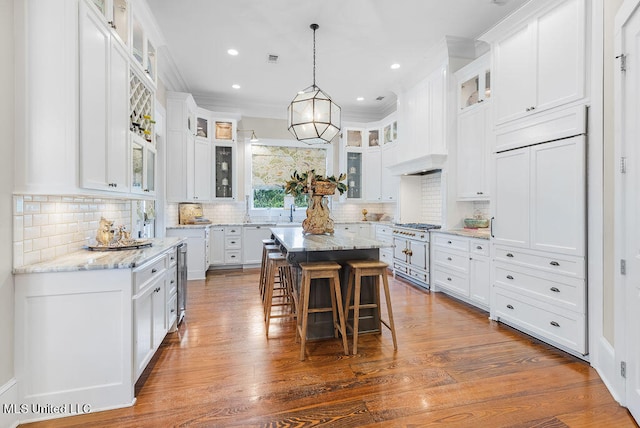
<point x="313" y="117"/>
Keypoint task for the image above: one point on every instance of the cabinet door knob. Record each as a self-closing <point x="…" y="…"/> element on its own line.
<point x="479" y="247"/>
<point x="555" y="324"/>
<point x="449" y="258"/>
<point x="448" y="279"/>
<point x="509" y="277"/>
<point x="555" y="289"/>
<point x="554" y="263"/>
<point x="479" y="193"/>
<point x="448" y="242"/>
<point x="509" y="307"/>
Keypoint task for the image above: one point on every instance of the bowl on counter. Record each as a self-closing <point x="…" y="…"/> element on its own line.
<point x="476" y="223"/>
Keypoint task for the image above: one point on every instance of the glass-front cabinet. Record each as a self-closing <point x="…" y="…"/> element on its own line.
<point x="354" y="175"/>
<point x="143" y="166"/>
<point x="474" y="83"/>
<point x="116" y="15"/>
<point x="223" y="159"/>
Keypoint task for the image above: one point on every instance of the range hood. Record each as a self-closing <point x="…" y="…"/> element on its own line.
<point x="419" y="166"/>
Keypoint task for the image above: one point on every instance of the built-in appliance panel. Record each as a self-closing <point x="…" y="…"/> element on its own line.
<point x="564" y="328"/>
<point x="556" y="263"/>
<point x="553" y="289"/>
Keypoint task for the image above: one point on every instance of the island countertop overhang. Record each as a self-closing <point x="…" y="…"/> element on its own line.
<point x="294" y="240"/>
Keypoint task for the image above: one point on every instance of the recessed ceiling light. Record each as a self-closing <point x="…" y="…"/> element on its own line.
<point x="235" y="86"/>
<point x="360" y="99"/>
<point x="395" y="66"/>
<point x="232" y="52"/>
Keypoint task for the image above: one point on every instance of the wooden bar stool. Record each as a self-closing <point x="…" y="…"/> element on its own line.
<point x="367" y="268"/>
<point x="277" y="265"/>
<point x="266" y="249"/>
<point x="321" y="270"/>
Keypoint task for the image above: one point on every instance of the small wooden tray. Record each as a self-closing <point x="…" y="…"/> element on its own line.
<point x="132" y="246"/>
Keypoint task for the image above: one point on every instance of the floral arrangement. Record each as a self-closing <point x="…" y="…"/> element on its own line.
<point x="306" y="182"/>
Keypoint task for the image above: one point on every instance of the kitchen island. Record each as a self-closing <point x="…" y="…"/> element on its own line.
<point x="339" y="248"/>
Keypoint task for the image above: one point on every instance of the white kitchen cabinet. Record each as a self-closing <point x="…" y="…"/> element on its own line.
<point x="389" y="184"/>
<point x="252" y="243"/>
<point x="540" y="197"/>
<point x="233" y="245"/>
<point x="354" y="165"/>
<point x="201" y="170"/>
<point x="217" y="246"/>
<point x="180" y="145"/>
<point x="372" y="176"/>
<point x="225" y="171"/>
<point x="540" y="64"/>
<point x="460" y="266"/>
<point x="383" y="233"/>
<point x="149" y="320"/>
<point x="104" y="105"/>
<point x="475" y="141"/>
<point x="539" y="242"/>
<point x="474" y="83"/>
<point x="197" y="248"/>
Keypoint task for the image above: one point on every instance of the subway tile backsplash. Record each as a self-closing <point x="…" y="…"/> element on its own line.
<point x="46" y="227"/>
<point x="431" y="208"/>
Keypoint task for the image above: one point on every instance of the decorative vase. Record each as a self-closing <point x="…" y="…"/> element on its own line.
<point x="318" y="221"/>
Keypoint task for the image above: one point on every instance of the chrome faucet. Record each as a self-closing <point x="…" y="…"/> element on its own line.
<point x="292" y="208"/>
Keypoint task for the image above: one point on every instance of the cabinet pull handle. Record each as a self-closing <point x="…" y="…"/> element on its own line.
<point x="173" y="310"/>
<point x="509" y="277"/>
<point x="479" y="247"/>
<point x="554" y="263"/>
<point x="555" y="324"/>
<point x="448" y="279"/>
<point x="449" y="258"/>
<point x="509" y="307"/>
<point x="173" y="281"/>
<point x="479" y="193"/>
<point x="555" y="289"/>
<point x="491" y="227"/>
<point x="509" y="255"/>
<point x="448" y="242"/>
<point x="154" y="270"/>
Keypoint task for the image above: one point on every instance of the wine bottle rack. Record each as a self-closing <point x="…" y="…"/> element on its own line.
<point x="140" y="105"/>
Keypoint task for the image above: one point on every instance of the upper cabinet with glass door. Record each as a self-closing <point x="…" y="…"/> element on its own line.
<point x="116" y="14"/>
<point x="143" y="50"/>
<point x="474" y="83"/>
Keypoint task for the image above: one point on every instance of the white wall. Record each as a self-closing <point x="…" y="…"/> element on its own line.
<point x="6" y="187"/>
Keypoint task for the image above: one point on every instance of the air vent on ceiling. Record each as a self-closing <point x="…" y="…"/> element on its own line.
<point x="272" y="59"/>
<point x="379" y="98"/>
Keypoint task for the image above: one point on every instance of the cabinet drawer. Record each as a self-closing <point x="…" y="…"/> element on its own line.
<point x="555" y="263"/>
<point x="450" y="280"/>
<point x="479" y="247"/>
<point x="233" y="231"/>
<point x="565" y="328"/>
<point x="233" y="257"/>
<point x="451" y="241"/>
<point x="172" y="258"/>
<point x="147" y="272"/>
<point x="387" y="257"/>
<point x="568" y="293"/>
<point x="172" y="310"/>
<point x="456" y="260"/>
<point x="400" y="268"/>
<point x="172" y="281"/>
<point x="419" y="275"/>
<point x="232" y="243"/>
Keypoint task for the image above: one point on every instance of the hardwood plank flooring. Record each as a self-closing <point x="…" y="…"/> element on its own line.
<point x="453" y="368"/>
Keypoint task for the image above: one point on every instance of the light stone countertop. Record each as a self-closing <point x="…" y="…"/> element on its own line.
<point x="482" y="233"/>
<point x="294" y="240"/>
<point x="190" y="226"/>
<point x="96" y="260"/>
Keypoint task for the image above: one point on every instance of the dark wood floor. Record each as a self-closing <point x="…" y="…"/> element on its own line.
<point x="453" y="368"/>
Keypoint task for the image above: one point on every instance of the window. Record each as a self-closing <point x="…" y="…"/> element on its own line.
<point x="273" y="164"/>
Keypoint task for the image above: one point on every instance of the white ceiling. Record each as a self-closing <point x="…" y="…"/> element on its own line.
<point x="357" y="42"/>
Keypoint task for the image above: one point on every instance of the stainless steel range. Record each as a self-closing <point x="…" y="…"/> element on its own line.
<point x="411" y="252"/>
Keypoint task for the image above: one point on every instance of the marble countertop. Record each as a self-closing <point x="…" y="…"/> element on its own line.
<point x="96" y="260"/>
<point x="483" y="233"/>
<point x="190" y="226"/>
<point x="294" y="240"/>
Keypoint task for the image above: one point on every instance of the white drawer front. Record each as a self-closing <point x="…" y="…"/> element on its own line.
<point x="234" y="242"/>
<point x="233" y="257"/>
<point x="556" y="263"/>
<point x="387" y="257"/>
<point x="449" y="280"/>
<point x="400" y="268"/>
<point x="479" y="247"/>
<point x="568" y="293"/>
<point x="419" y="275"/>
<point x="148" y="272"/>
<point x="172" y="259"/>
<point x="458" y="261"/>
<point x="233" y="231"/>
<point x="172" y="281"/>
<point x="450" y="241"/>
<point x="565" y="328"/>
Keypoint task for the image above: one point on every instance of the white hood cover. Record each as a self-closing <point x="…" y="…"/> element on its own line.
<point x="419" y="165"/>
